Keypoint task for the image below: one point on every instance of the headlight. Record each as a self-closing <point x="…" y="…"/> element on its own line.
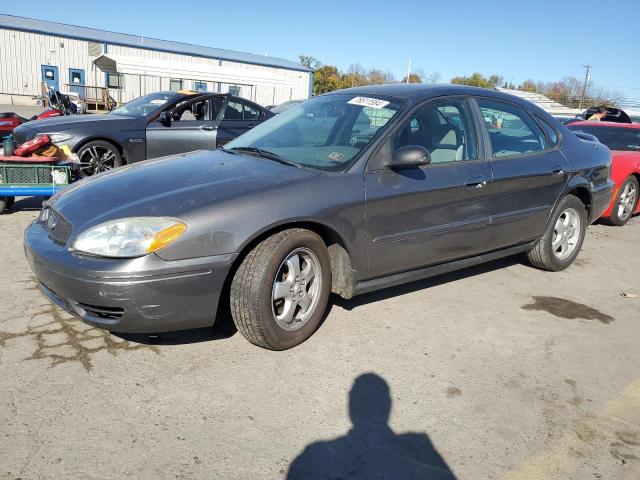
<point x="57" y="137"/>
<point x="130" y="237"/>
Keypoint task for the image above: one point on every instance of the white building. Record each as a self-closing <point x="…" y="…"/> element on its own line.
<point x="550" y="106"/>
<point x="75" y="58"/>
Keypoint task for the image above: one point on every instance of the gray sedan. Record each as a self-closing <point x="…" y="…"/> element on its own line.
<point x="348" y="192"/>
<point x="154" y="125"/>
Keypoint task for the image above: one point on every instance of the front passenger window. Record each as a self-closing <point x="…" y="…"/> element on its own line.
<point x="444" y="129"/>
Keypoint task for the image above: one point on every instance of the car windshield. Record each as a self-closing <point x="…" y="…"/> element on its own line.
<point x="324" y="133"/>
<point x="145" y="105"/>
<point x="626" y="139"/>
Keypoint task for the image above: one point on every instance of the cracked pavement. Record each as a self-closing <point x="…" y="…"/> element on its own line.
<point x="498" y="372"/>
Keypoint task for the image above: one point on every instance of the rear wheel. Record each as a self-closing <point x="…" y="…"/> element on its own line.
<point x="626" y="202"/>
<point x="280" y="291"/>
<point x="561" y="243"/>
<point x="98" y="156"/>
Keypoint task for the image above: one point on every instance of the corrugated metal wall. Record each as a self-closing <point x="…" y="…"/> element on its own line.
<point x="22" y="54"/>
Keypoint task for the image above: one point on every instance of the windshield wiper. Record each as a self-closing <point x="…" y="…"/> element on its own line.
<point x="264" y="154"/>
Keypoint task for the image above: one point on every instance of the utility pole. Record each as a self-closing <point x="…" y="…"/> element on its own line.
<point x="409" y="72"/>
<point x="584" y="87"/>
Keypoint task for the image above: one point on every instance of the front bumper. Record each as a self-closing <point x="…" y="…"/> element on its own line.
<point x="138" y="295"/>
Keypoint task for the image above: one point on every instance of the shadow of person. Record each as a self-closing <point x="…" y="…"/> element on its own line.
<point x="371" y="450"/>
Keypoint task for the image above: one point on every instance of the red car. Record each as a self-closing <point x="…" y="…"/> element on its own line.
<point x="623" y="139"/>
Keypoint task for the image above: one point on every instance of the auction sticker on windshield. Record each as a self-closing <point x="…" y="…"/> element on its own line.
<point x="369" y="102"/>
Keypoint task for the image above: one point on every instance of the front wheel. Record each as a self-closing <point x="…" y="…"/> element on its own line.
<point x="98" y="156"/>
<point x="625" y="203"/>
<point x="280" y="291"/>
<point x="561" y="243"/>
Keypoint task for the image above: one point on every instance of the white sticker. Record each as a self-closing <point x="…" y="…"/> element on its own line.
<point x="369" y="102"/>
<point x="157" y="101"/>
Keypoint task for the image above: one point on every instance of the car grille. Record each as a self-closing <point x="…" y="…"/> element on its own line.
<point x="57" y="226"/>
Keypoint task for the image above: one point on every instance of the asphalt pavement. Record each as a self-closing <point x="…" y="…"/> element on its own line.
<point x="496" y="372"/>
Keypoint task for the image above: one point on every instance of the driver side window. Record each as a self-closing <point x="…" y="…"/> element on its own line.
<point x="445" y="129"/>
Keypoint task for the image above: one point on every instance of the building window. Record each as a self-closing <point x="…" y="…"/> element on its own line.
<point x="114" y="80"/>
<point x="234" y="90"/>
<point x="200" y="86"/>
<point x="175" y="84"/>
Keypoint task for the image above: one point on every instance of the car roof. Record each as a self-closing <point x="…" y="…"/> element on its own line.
<point x="421" y="91"/>
<point x="586" y="123"/>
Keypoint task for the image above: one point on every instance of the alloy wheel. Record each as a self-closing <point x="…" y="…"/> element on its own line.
<point x="296" y="289"/>
<point x="96" y="159"/>
<point x="627" y="201"/>
<point x="566" y="233"/>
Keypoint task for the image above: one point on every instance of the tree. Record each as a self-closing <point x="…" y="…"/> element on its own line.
<point x="326" y="79"/>
<point x="496" y="80"/>
<point x="433" y="77"/>
<point x="413" y="78"/>
<point x="528" y="86"/>
<point x="309" y="62"/>
<point x="475" y="80"/>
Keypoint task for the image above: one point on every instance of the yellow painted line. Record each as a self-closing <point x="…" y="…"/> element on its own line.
<point x="559" y="459"/>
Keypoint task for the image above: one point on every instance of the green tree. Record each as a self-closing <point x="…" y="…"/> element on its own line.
<point x="309" y="62"/>
<point x="326" y="79"/>
<point x="478" y="80"/>
<point x="475" y="80"/>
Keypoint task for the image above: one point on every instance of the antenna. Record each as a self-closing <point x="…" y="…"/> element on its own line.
<point x="584" y="86"/>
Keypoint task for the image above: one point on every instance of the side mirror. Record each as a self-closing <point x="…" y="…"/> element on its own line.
<point x="165" y="118"/>
<point x="410" y="156"/>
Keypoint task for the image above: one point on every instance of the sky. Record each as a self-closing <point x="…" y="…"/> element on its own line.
<point x="543" y="39"/>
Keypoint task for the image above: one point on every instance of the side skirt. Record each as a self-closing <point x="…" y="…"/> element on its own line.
<point x="422" y="273"/>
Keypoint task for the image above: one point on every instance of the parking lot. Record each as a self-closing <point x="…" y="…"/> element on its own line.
<point x="500" y="371"/>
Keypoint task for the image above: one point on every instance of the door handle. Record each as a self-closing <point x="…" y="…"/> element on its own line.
<point x="476" y="182"/>
<point x="208" y="128"/>
<point x="558" y="170"/>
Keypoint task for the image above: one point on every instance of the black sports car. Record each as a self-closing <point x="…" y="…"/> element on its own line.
<point x="154" y="125"/>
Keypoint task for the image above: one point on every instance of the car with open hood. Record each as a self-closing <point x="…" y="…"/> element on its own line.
<point x="345" y="193"/>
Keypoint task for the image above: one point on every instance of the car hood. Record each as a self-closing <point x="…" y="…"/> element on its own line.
<point x="179" y="186"/>
<point x="67" y="122"/>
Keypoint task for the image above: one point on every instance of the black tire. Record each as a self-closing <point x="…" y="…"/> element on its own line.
<point x="98" y="156"/>
<point x="252" y="306"/>
<point x="6" y="204"/>
<point x="617" y="217"/>
<point x="543" y="255"/>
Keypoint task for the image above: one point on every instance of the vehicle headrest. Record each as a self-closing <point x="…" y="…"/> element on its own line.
<point x="447" y="135"/>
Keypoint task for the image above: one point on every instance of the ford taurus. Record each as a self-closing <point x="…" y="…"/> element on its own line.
<point x="348" y="192"/>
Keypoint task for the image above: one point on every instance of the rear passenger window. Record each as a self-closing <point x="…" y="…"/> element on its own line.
<point x="239" y="110"/>
<point x="511" y="130"/>
<point x="250" y="113"/>
<point x="552" y="135"/>
<point x="233" y="111"/>
<point x="445" y="129"/>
